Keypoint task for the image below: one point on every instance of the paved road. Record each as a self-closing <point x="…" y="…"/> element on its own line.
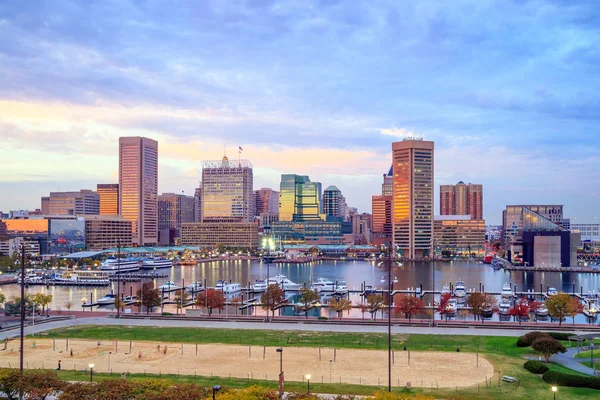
<point x="567" y="360"/>
<point x="261" y="325"/>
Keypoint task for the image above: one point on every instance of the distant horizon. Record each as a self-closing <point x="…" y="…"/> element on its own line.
<point x="508" y="92"/>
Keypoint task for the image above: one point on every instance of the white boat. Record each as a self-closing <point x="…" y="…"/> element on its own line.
<point x="156" y="263"/>
<point x="507" y="292"/>
<point x="445" y="289"/>
<point x="460" y="291"/>
<point x="168" y="285"/>
<point x="451" y="307"/>
<point x="260" y="286"/>
<point x="590" y="308"/>
<point x="552" y="291"/>
<point x="195" y="286"/>
<point x="281" y="280"/>
<point x="87" y="278"/>
<point x="228" y="288"/>
<point x="109" y="299"/>
<point x="542" y="311"/>
<point x="326" y="285"/>
<point x="120" y="265"/>
<point x="504" y="307"/>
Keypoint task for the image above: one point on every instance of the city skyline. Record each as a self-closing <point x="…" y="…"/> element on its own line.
<point x="311" y="90"/>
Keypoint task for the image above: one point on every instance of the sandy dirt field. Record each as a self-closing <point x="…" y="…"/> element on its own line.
<point x="367" y="367"/>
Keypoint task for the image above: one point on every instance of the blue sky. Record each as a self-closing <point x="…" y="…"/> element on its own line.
<point x="508" y="90"/>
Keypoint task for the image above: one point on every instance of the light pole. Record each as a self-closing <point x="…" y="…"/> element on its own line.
<point x="330" y="371"/>
<point x="118" y="279"/>
<point x="109" y="353"/>
<point x="389" y="264"/>
<point x="554" y="390"/>
<point x="280" y="351"/>
<point x="269" y="244"/>
<point x="91" y="372"/>
<point x="215" y="389"/>
<point x="308" y="383"/>
<point x="22" y="308"/>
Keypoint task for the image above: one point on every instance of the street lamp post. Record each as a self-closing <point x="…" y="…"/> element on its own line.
<point x="554" y="390"/>
<point x="118" y="279"/>
<point x="269" y="244"/>
<point x="22" y="309"/>
<point x="215" y="389"/>
<point x="389" y="263"/>
<point x="280" y="351"/>
<point x="308" y="383"/>
<point x="91" y="372"/>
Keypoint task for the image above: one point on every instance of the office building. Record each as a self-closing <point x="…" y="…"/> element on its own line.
<point x="173" y="210"/>
<point x="198" y="204"/>
<point x="72" y="203"/>
<point x="109" y="198"/>
<point x="3" y="230"/>
<point x="458" y="235"/>
<point x="296" y="232"/>
<point x="66" y="235"/>
<point x="266" y="201"/>
<point x="462" y="199"/>
<point x="334" y="204"/>
<point x="387" y="187"/>
<point x="138" y="187"/>
<point x="211" y="235"/>
<point x="9" y="247"/>
<point x="361" y="228"/>
<point x="381" y="209"/>
<point x="45" y="205"/>
<point x="227" y="190"/>
<point x="412" y="206"/>
<point x="300" y="199"/>
<point x="107" y="231"/>
<point x="266" y="219"/>
<point x="512" y="218"/>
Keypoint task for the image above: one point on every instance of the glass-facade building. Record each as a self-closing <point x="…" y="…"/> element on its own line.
<point x="334" y="204"/>
<point x="296" y="231"/>
<point x="109" y="198"/>
<point x="459" y="234"/>
<point x="300" y="199"/>
<point x="66" y="235"/>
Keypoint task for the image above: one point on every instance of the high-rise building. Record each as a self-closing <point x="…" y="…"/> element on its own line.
<point x="334" y="204"/>
<point x="109" y="198"/>
<point x="462" y="199"/>
<point x="361" y="228"/>
<point x="198" y="204"/>
<point x="138" y="187"/>
<point x="72" y="203"/>
<point x="173" y="210"/>
<point x="211" y="235"/>
<point x="459" y="235"/>
<point x="300" y="199"/>
<point x="227" y="190"/>
<point x="45" y="205"/>
<point x="387" y="187"/>
<point x="107" y="231"/>
<point x="267" y="201"/>
<point x="412" y="215"/>
<point x="381" y="208"/>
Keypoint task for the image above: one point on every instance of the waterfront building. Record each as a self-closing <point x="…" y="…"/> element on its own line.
<point x="227" y="190"/>
<point x="493" y="233"/>
<point x="297" y="231"/>
<point x="412" y="206"/>
<point x="66" y="235"/>
<point x="512" y="218"/>
<point x="107" y="231"/>
<point x="210" y="235"/>
<point x="72" y="203"/>
<point x="381" y="208"/>
<point x="45" y="205"/>
<point x="9" y="247"/>
<point x="334" y="204"/>
<point x="459" y="235"/>
<point x="198" y="203"/>
<point x="266" y="219"/>
<point x="300" y="199"/>
<point x="138" y="187"/>
<point x="109" y="198"/>
<point x="173" y="210"/>
<point x="361" y="228"/>
<point x="3" y="230"/>
<point x="462" y="199"/>
<point x="266" y="201"/>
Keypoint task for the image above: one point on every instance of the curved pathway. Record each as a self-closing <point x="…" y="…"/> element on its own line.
<point x="568" y="360"/>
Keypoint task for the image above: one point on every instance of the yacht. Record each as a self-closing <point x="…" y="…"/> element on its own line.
<point x="195" y="286"/>
<point x="228" y="288"/>
<point x="460" y="291"/>
<point x="370" y="290"/>
<point x="507" y="292"/>
<point x="280" y="280"/>
<point x="109" y="299"/>
<point x="156" y="263"/>
<point x="552" y="291"/>
<point x="487" y="312"/>
<point x="445" y="289"/>
<point x="82" y="278"/>
<point x="168" y="285"/>
<point x="113" y="264"/>
<point x="542" y="311"/>
<point x="323" y="284"/>
<point x="504" y="307"/>
<point x="590" y="307"/>
<point x="451" y="307"/>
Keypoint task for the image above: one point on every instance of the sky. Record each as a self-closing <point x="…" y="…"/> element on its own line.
<point x="509" y="91"/>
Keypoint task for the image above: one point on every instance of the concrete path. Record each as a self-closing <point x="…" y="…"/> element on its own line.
<point x="567" y="360"/>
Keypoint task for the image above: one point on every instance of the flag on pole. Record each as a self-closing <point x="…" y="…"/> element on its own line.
<point x="241" y="149"/>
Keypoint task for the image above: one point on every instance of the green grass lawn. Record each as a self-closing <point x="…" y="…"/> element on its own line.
<point x="587" y="354"/>
<point x="500" y="351"/>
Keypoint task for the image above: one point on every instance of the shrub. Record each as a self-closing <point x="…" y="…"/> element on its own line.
<point x="527" y="339"/>
<point x="562" y="379"/>
<point x="560" y="335"/>
<point x="547" y="346"/>
<point x="536" y="367"/>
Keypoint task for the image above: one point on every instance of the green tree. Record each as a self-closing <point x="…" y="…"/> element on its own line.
<point x="271" y="298"/>
<point x="307" y="298"/>
<point x="548" y="346"/>
<point x="340" y="305"/>
<point x="181" y="298"/>
<point x="562" y="305"/>
<point x="2" y="298"/>
<point x="375" y="302"/>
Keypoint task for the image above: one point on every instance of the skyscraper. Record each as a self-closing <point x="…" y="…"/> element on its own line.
<point x="198" y="204"/>
<point x="334" y="204"/>
<point x="173" y="210"/>
<point x="138" y="187"/>
<point x="412" y="215"/>
<point x="267" y="201"/>
<point x="462" y="199"/>
<point x="387" y="187"/>
<point x="109" y="198"/>
<point x="72" y="203"/>
<point x="227" y="191"/>
<point x="300" y="199"/>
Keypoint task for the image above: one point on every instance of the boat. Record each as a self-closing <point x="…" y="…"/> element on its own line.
<point x="122" y="265"/>
<point x="195" y="286"/>
<point x="228" y="288"/>
<point x="281" y="280"/>
<point x="81" y="278"/>
<point x="168" y="285"/>
<point x="507" y="292"/>
<point x="326" y="285"/>
<point x="460" y="291"/>
<point x="542" y="311"/>
<point x="496" y="264"/>
<point x="156" y="263"/>
<point x="504" y="307"/>
<point x="451" y="307"/>
<point x="552" y="291"/>
<point x="487" y="312"/>
<point x="445" y="289"/>
<point x="109" y="299"/>
<point x="590" y="307"/>
<point x="186" y="262"/>
<point x="369" y="290"/>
